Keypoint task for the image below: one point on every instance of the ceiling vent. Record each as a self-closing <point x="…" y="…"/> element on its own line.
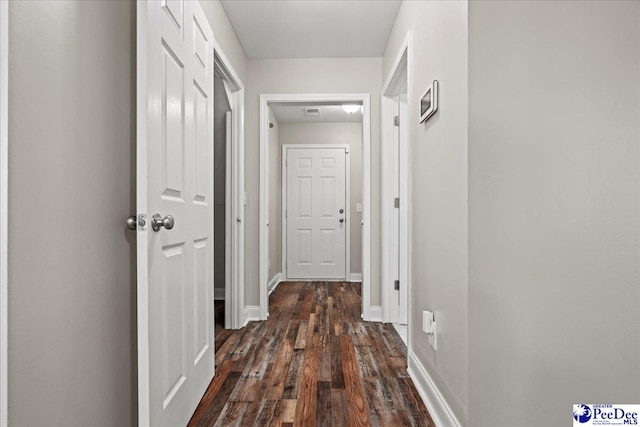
<point x="312" y="112"/>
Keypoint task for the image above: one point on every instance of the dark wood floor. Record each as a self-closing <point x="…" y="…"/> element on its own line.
<point x="314" y="362"/>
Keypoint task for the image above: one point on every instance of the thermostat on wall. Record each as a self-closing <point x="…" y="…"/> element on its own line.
<point x="429" y="102"/>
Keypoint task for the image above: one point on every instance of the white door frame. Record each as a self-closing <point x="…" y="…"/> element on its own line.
<point x="4" y="205"/>
<point x="234" y="194"/>
<point x="399" y="77"/>
<point x="360" y="98"/>
<point x="347" y="210"/>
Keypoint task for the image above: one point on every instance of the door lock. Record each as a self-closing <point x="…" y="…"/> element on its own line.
<point x="341" y="211"/>
<point x="157" y="222"/>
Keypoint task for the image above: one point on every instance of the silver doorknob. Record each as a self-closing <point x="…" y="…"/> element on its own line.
<point x="132" y="223"/>
<point x="157" y="222"/>
<point x="341" y="219"/>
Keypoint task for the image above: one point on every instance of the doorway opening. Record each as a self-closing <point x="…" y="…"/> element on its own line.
<point x="325" y="234"/>
<point x="395" y="209"/>
<point x="222" y="127"/>
<point x="228" y="198"/>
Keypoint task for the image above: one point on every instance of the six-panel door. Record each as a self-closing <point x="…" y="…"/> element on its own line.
<point x="175" y="177"/>
<point x="316" y="213"/>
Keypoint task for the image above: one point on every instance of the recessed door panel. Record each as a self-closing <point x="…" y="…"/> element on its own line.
<point x="202" y="143"/>
<point x="304" y="242"/>
<point x="328" y="208"/>
<point x="305" y="195"/>
<point x="173" y="112"/>
<point x="202" y="297"/>
<point x="173" y="320"/>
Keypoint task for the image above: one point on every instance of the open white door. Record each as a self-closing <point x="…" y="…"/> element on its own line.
<point x="175" y="184"/>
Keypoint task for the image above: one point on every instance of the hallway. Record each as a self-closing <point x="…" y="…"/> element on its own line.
<point x="313" y="362"/>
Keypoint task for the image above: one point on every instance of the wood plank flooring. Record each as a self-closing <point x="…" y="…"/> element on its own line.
<point x="314" y="362"/>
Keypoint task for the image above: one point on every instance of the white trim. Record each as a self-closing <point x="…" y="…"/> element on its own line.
<point x="355" y="277"/>
<point x="439" y="409"/>
<point x="347" y="214"/>
<point x="218" y="294"/>
<point x="250" y="314"/>
<point x="364" y="98"/>
<point x="4" y="207"/>
<point x="274" y="282"/>
<point x="398" y="81"/>
<point x="234" y="275"/>
<point x="376" y="314"/>
<point x="229" y="276"/>
<point x="142" y="28"/>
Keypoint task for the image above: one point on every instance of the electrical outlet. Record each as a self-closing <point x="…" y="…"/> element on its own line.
<point x="433" y="337"/>
<point x="427" y="322"/>
<point x="429" y="326"/>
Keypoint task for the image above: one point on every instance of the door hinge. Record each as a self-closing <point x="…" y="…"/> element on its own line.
<point x="286" y="162"/>
<point x="396" y="120"/>
<point x="396" y="202"/>
<point x="285" y="214"/>
<point x="396" y="285"/>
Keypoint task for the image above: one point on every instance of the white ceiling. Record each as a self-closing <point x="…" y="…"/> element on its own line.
<point x="328" y="114"/>
<point x="312" y="28"/>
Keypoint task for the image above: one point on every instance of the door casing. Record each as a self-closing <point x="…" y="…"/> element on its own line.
<point x="340" y="98"/>
<point x="234" y="193"/>
<point x="347" y="213"/>
<point x="4" y="206"/>
<point x="398" y="81"/>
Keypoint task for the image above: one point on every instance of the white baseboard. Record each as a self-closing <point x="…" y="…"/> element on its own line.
<point x="251" y="313"/>
<point x="218" y="293"/>
<point x="375" y="313"/>
<point x="355" y="277"/>
<point x="273" y="283"/>
<point x="437" y="406"/>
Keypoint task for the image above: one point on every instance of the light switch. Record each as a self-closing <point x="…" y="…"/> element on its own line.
<point x="358" y="207"/>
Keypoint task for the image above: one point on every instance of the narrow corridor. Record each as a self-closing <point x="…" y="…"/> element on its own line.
<point x="313" y="362"/>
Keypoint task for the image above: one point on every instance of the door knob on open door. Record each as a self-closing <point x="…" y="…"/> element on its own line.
<point x="132" y="223"/>
<point x="157" y="222"/>
<point x="341" y="219"/>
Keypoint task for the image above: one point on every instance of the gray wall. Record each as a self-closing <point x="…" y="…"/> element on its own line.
<point x="439" y="189"/>
<point x="275" y="197"/>
<point x="72" y="342"/>
<point x="334" y="133"/>
<point x="72" y="320"/>
<point x="225" y="36"/>
<point x="343" y="75"/>
<point x="554" y="209"/>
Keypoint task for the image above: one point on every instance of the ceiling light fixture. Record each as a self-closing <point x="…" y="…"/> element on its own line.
<point x="351" y="108"/>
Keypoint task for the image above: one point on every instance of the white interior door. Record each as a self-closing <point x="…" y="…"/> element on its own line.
<point x="228" y="273"/>
<point x="174" y="178"/>
<point x="394" y="248"/>
<point x="403" y="225"/>
<point x="316" y="213"/>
